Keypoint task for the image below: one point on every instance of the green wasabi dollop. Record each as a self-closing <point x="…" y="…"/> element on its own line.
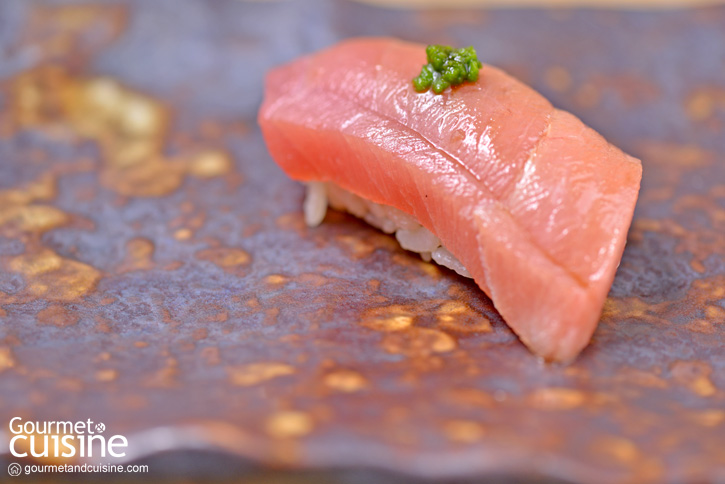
<point x="447" y="67"/>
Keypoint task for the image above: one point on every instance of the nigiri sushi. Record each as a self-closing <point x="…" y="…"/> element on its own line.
<point x="487" y="178"/>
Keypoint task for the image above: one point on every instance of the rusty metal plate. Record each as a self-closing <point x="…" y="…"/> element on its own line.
<point x="156" y="274"/>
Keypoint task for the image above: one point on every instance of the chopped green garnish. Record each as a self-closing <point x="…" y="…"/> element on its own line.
<point x="447" y="67"/>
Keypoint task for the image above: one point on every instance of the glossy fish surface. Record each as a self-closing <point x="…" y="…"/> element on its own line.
<point x="535" y="204"/>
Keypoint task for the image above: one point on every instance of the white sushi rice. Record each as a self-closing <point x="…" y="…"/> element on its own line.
<point x="411" y="235"/>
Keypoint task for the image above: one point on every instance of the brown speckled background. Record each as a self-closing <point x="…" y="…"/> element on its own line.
<point x="156" y="274"/>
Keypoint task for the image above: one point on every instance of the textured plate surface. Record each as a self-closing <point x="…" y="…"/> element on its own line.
<point x="156" y="274"/>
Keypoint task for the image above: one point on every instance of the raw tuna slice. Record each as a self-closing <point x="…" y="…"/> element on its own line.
<point x="533" y="203"/>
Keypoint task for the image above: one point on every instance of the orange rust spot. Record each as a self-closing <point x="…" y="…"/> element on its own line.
<point x="703" y="386"/>
<point x="378" y="299"/>
<point x="418" y="342"/>
<point x="139" y="116"/>
<point x="430" y="269"/>
<point x="154" y="178"/>
<point x="7" y="361"/>
<point x="702" y="103"/>
<point x="210" y="163"/>
<point x="621" y="449"/>
<point x="458" y="316"/>
<point x="411" y="260"/>
<point x="556" y="398"/>
<point x="107" y="300"/>
<point x="215" y="314"/>
<point x="557" y="78"/>
<point x="32" y="103"/>
<point x="709" y="418"/>
<point x="251" y="229"/>
<point x="42" y="188"/>
<point x="139" y="255"/>
<point x="104" y="356"/>
<point x="694" y="375"/>
<point x="32" y="218"/>
<point x="641" y="378"/>
<point x="2" y="313"/>
<point x="464" y="431"/>
<point x="255" y="373"/>
<point x="289" y="424"/>
<point x="106" y="375"/>
<point x="712" y="288"/>
<point x="373" y="285"/>
<point x="276" y="279"/>
<point x="700" y="326"/>
<point x="631" y="307"/>
<point x="140" y="344"/>
<point x="183" y="234"/>
<point x="229" y="259"/>
<point x="57" y="315"/>
<point x="57" y="30"/>
<point x="393" y="323"/>
<point x="270" y="316"/>
<point x="699" y="106"/>
<point x="291" y="221"/>
<point x="389" y="318"/>
<point x="19" y="213"/>
<point x="647" y="225"/>
<point x="52" y="277"/>
<point x="716" y="314"/>
<point x="358" y="247"/>
<point x="102" y="109"/>
<point x="697" y="266"/>
<point x="129" y="127"/>
<point x="173" y="265"/>
<point x="347" y="381"/>
<point x="166" y="316"/>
